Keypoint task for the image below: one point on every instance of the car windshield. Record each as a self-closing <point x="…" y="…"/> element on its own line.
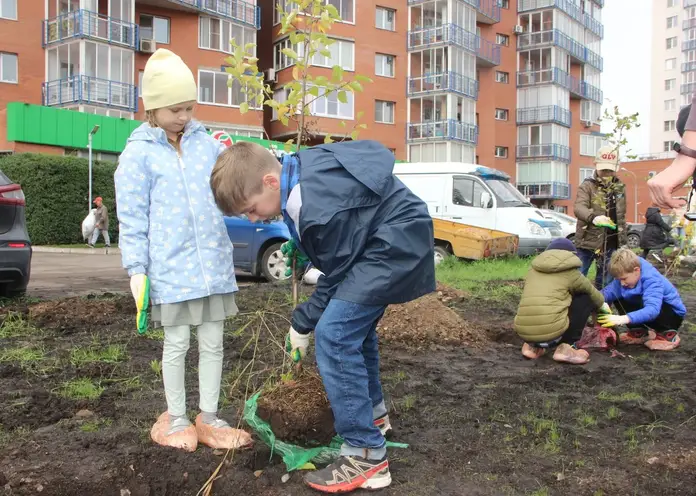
<point x="507" y="193"/>
<point x="559" y="216"/>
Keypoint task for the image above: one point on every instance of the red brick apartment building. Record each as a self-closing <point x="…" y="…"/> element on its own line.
<point x="511" y="84"/>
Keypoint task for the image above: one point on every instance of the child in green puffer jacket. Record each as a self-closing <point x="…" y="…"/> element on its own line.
<point x="556" y="303"/>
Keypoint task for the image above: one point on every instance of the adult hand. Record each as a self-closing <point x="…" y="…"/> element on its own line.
<point x="613" y="320"/>
<point x="673" y="177"/>
<point x="296" y="345"/>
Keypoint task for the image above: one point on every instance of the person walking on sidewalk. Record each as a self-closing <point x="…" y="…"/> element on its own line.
<point x="101" y="225"/>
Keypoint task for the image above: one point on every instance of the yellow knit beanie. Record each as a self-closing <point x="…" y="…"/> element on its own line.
<point x="167" y="81"/>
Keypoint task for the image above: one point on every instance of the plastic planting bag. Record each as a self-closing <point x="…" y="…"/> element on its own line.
<point x="89" y="224"/>
<point x="295" y="457"/>
<point x="597" y="338"/>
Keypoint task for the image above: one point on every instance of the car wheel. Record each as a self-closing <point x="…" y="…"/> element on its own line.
<point x="273" y="264"/>
<point x="633" y="241"/>
<point x="441" y="254"/>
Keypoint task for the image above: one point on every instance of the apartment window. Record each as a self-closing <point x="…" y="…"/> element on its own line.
<point x="590" y="144"/>
<point x="502" y="39"/>
<point x="330" y="106"/>
<point x="346" y="9"/>
<point x="590" y="111"/>
<point x="282" y="61"/>
<point x="385" y="18"/>
<point x="9" y="71"/>
<point x="384" y="111"/>
<point x="672" y="22"/>
<point x="154" y="28"/>
<point x="671" y="3"/>
<point x="8" y="9"/>
<point x="502" y="77"/>
<point x="667" y="146"/>
<point x="384" y="65"/>
<point x="501" y="151"/>
<point x="586" y="173"/>
<point x="670" y="104"/>
<point x="140" y="83"/>
<point x="504" y="4"/>
<point x="670" y="84"/>
<point x="670" y="64"/>
<point x="342" y="53"/>
<point x="670" y="125"/>
<point x="214" y="89"/>
<point x="501" y="114"/>
<point x="671" y="42"/>
<point x="215" y="34"/>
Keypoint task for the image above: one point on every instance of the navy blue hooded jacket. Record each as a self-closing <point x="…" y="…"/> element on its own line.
<point x="367" y="232"/>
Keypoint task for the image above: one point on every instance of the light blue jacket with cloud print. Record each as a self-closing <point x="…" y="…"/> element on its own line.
<point x="170" y="227"/>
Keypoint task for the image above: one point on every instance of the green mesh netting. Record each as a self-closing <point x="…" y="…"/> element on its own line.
<point x="294" y="457"/>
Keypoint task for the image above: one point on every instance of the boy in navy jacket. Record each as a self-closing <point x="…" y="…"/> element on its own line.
<point x="373" y="240"/>
<point x="648" y="304"/>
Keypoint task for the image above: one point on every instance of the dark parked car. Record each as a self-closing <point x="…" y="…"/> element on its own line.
<point x="635" y="231"/>
<point x="15" y="248"/>
<point x="257" y="246"/>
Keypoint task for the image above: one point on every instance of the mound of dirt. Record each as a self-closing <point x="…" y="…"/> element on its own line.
<point x="298" y="411"/>
<point x="428" y="321"/>
<point x="74" y="314"/>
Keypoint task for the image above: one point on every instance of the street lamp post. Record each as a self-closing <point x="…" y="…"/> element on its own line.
<point x="89" y="148"/>
<point x="635" y="193"/>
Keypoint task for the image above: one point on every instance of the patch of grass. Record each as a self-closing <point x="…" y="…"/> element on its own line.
<point x="81" y="389"/>
<point x="25" y="356"/>
<point x="619" y="398"/>
<point x="547" y="429"/>
<point x="395" y="378"/>
<point x="408" y="402"/>
<point x="631" y="437"/>
<point x="111" y="354"/>
<point x="613" y="413"/>
<point x="14" y="326"/>
<point x="95" y="425"/>
<point x="680" y="408"/>
<point x="484" y="278"/>
<point x="156" y="367"/>
<point x="544" y="491"/>
<point x="585" y="420"/>
<point x="154" y="334"/>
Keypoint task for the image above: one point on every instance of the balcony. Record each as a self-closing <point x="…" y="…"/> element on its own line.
<point x="473" y="3"/>
<point x="546" y="190"/>
<point x="568" y="7"/>
<point x="443" y="130"/>
<point x="551" y="113"/>
<point x="443" y="82"/>
<point x="487" y="53"/>
<point x="446" y="34"/>
<point x="589" y="92"/>
<point x="687" y="89"/>
<point x="688" y="45"/>
<point x="554" y="37"/>
<point x="80" y="24"/>
<point x="488" y="11"/>
<point x="554" y="75"/>
<point x="593" y="25"/>
<point x="549" y="151"/>
<point x="88" y="90"/>
<point x="689" y="23"/>
<point x="689" y="3"/>
<point x="236" y="10"/>
<point x="688" y="66"/>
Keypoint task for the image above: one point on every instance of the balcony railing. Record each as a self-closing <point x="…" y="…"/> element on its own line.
<point x="689" y="3"/>
<point x="687" y="88"/>
<point x="689" y="23"/>
<point x="473" y="3"/>
<point x="549" y="151"/>
<point x="688" y="45"/>
<point x="540" y="39"/>
<point x="92" y="91"/>
<point x="570" y="8"/>
<point x="445" y="81"/>
<point x="593" y="25"/>
<point x="551" y="190"/>
<point x="488" y="53"/>
<point x="444" y="34"/>
<point x="589" y="92"/>
<point x="237" y="10"/>
<point x="488" y="11"/>
<point x="554" y="75"/>
<point x="449" y="129"/>
<point x="87" y="24"/>
<point x="688" y="66"/>
<point x="550" y="113"/>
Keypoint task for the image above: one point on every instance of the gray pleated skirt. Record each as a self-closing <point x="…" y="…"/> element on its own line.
<point x="213" y="308"/>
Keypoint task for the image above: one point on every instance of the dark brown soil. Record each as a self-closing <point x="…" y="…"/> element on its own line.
<point x="478" y="421"/>
<point x="299" y="411"/>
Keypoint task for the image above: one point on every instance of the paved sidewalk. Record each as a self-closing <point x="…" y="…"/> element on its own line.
<point x="77" y="251"/>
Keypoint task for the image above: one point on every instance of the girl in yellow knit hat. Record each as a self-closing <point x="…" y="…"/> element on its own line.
<point x="173" y="236"/>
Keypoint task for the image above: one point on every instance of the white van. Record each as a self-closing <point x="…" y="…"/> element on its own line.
<point x="479" y="196"/>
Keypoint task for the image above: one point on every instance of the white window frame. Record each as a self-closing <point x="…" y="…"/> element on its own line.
<point x="140" y="83"/>
<point x="667" y="145"/>
<point x="385" y="11"/>
<point x="670" y="84"/>
<point x="224" y="46"/>
<point x="590" y="144"/>
<point x="504" y="4"/>
<point x="342" y="45"/>
<point x="586" y="172"/>
<point x="333" y="95"/>
<point x="154" y="32"/>
<point x="278" y="54"/>
<point x="501" y="152"/>
<point x="502" y="114"/>
<point x="670" y="105"/>
<point x="385" y="104"/>
<point x="502" y="77"/>
<point x="671" y="3"/>
<point x="276" y="13"/>
<point x="669" y="126"/>
<point x="672" y="21"/>
<point x="229" y="92"/>
<point x="671" y="42"/>
<point x="670" y="64"/>
<point x="502" y="39"/>
<point x="4" y="15"/>
<point x="384" y="63"/>
<point x="14" y="56"/>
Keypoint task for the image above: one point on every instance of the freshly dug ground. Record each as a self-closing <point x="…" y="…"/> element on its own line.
<point x="79" y="391"/>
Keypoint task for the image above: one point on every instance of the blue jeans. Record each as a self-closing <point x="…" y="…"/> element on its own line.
<point x="348" y="360"/>
<point x="589" y="256"/>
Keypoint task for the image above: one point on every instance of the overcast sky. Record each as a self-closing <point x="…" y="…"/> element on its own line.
<point x="626" y="51"/>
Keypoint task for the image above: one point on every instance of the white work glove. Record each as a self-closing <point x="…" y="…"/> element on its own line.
<point x="613" y="320"/>
<point x="296" y="344"/>
<point x="603" y="221"/>
<point x="137" y="284"/>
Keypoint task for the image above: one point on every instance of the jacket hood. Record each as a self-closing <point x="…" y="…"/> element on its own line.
<point x="652" y="211"/>
<point x="145" y="132"/>
<point x="553" y="261"/>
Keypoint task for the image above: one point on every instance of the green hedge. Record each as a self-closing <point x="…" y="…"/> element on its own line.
<point x="56" y="190"/>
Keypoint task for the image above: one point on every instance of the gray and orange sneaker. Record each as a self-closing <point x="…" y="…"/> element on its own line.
<point x="349" y="473"/>
<point x="636" y="336"/>
<point x="664" y="341"/>
<point x="383" y="424"/>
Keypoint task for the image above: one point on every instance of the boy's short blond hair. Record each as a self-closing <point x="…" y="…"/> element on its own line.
<point x="623" y="261"/>
<point x="238" y="175"/>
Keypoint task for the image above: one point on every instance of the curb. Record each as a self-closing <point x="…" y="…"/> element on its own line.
<point x="76" y="251"/>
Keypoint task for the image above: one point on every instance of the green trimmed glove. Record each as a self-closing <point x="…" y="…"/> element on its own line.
<point x="289" y="250"/>
<point x="604" y="310"/>
<point x="613" y="320"/>
<point x="140" y="287"/>
<point x="296" y="345"/>
<point x="604" y="221"/>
